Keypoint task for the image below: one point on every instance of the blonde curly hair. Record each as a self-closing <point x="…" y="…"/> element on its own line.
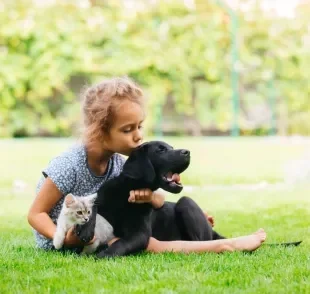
<point x="100" y="101"/>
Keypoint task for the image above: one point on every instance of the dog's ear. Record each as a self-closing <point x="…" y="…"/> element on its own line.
<point x="138" y="166"/>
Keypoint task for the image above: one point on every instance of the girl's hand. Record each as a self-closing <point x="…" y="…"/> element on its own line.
<point x="156" y="198"/>
<point x="209" y="218"/>
<point x="141" y="196"/>
<point x="72" y="239"/>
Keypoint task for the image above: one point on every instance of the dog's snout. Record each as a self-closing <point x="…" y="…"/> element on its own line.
<point x="185" y="152"/>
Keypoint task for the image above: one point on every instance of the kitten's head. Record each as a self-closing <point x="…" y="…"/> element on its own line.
<point x="79" y="209"/>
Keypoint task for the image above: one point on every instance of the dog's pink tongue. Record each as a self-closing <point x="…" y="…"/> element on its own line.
<point x="176" y="178"/>
<point x="173" y="177"/>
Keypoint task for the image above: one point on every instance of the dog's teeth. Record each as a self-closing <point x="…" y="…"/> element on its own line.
<point x="169" y="176"/>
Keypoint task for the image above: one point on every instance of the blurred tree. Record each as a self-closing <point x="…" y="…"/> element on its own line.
<point x="178" y="51"/>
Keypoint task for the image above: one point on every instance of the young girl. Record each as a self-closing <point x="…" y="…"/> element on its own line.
<point x="113" y="117"/>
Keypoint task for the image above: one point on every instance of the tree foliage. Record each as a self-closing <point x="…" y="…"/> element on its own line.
<point x="180" y="54"/>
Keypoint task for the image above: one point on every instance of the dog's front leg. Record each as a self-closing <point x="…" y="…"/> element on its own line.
<point x="125" y="246"/>
<point x="86" y="232"/>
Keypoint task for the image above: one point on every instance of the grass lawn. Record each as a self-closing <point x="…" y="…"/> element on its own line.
<point x="284" y="214"/>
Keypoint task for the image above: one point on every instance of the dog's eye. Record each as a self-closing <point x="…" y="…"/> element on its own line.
<point x="161" y="149"/>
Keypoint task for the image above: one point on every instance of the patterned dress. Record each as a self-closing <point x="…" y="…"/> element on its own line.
<point x="71" y="174"/>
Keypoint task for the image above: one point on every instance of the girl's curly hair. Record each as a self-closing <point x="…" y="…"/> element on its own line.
<point x="99" y="102"/>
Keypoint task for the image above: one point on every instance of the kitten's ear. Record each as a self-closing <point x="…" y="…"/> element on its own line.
<point x="69" y="200"/>
<point x="91" y="198"/>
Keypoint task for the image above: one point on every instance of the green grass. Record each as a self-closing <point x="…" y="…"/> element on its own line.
<point x="285" y="215"/>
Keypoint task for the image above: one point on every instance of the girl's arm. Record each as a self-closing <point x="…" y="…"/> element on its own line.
<point x="158" y="199"/>
<point x="38" y="216"/>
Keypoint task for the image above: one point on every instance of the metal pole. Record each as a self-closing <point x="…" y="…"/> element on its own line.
<point x="234" y="74"/>
<point x="235" y="131"/>
<point x="158" y="129"/>
<point x="272" y="102"/>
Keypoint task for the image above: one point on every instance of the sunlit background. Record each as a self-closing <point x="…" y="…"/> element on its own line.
<point x="208" y="67"/>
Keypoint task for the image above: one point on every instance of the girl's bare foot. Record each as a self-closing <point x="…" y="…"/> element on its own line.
<point x="247" y="243"/>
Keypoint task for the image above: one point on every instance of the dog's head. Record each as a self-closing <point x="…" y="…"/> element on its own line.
<point x="157" y="165"/>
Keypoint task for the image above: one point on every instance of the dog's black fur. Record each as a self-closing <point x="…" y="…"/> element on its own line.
<point x="148" y="167"/>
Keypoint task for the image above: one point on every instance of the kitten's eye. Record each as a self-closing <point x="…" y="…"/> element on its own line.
<point x="88" y="211"/>
<point x="79" y="212"/>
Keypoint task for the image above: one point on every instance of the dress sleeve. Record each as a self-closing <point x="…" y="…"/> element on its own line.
<point x="62" y="172"/>
<point x="120" y="161"/>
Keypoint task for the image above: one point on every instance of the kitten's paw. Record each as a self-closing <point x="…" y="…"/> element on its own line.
<point x="83" y="233"/>
<point x="57" y="244"/>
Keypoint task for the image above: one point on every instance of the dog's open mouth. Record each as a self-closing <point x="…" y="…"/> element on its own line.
<point x="173" y="179"/>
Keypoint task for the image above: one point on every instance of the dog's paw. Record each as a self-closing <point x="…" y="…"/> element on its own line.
<point x="103" y="254"/>
<point x="83" y="233"/>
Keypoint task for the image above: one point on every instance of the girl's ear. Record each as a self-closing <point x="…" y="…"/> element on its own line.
<point x="91" y="198"/>
<point x="69" y="200"/>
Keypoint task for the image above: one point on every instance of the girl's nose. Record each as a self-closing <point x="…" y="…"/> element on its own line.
<point x="138" y="136"/>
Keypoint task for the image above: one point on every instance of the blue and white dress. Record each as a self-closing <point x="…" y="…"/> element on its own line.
<point x="71" y="174"/>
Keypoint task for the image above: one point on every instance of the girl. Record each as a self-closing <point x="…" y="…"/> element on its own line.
<point x="113" y="114"/>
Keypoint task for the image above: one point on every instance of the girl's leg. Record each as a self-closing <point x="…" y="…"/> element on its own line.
<point x="244" y="243"/>
<point x="192" y="221"/>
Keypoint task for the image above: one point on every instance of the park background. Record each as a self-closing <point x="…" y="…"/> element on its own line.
<point x="226" y="79"/>
<point x="207" y="67"/>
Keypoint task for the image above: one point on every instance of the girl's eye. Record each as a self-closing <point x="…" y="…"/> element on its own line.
<point x="127" y="131"/>
<point x="140" y="127"/>
<point x="79" y="212"/>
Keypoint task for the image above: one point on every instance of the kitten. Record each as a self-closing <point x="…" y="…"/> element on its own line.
<point x="77" y="211"/>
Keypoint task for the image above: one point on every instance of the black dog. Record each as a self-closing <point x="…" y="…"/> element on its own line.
<point x="153" y="165"/>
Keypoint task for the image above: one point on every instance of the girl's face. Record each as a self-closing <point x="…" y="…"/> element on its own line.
<point x="126" y="132"/>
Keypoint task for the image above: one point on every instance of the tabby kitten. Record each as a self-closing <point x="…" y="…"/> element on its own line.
<point x="77" y="211"/>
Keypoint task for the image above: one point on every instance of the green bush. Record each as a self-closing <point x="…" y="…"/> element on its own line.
<point x="48" y="52"/>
